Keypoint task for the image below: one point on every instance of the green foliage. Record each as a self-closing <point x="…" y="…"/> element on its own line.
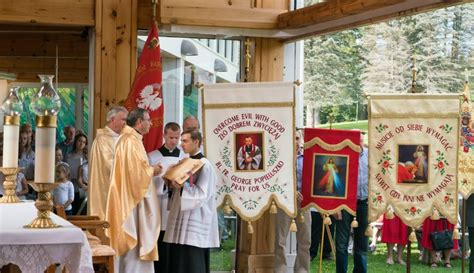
<point x="66" y="114"/>
<point x="341" y="67"/>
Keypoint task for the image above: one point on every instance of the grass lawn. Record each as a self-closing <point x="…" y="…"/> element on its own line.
<point x="221" y="261"/>
<point x="361" y="125"/>
<point x="376" y="263"/>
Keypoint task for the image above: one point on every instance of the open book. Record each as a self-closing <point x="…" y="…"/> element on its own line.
<point x="180" y="171"/>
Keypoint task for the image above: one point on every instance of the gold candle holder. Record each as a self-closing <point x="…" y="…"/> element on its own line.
<point x="44" y="204"/>
<point x="9" y="185"/>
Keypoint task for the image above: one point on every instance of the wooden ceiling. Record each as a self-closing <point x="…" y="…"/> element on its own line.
<point x="31" y="30"/>
<point x="31" y="50"/>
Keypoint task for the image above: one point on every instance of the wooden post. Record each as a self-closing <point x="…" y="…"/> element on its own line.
<point x="256" y="251"/>
<point x="408" y="267"/>
<point x="463" y="237"/>
<point x="115" y="54"/>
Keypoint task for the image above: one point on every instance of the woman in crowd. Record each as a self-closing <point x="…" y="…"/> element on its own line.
<point x="75" y="159"/>
<point x="430" y="226"/>
<point x="394" y="231"/>
<point x="26" y="156"/>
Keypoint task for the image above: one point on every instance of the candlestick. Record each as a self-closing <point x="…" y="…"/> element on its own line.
<point x="46" y="105"/>
<point x="9" y="185"/>
<point x="44" y="204"/>
<point x="12" y="109"/>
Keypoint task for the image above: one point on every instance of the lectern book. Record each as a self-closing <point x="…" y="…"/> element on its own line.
<point x="180" y="171"/>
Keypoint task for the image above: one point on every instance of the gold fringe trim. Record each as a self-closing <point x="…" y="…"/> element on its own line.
<point x="354" y="223"/>
<point x="435" y="215"/>
<point x="327" y="220"/>
<point x="293" y="227"/>
<point x="250" y="228"/>
<point x="301" y="219"/>
<point x="412" y="236"/>
<point x="368" y="231"/>
<point x="456" y="235"/>
<point x="273" y="208"/>
<point x="389" y="215"/>
<point x="227" y="209"/>
<point x="332" y="147"/>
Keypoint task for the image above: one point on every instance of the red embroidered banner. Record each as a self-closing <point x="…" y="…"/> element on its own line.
<point x="330" y="170"/>
<point x="147" y="91"/>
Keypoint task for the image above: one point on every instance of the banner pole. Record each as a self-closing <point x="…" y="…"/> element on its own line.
<point x="321" y="244"/>
<point x="463" y="230"/>
<point x="408" y="268"/>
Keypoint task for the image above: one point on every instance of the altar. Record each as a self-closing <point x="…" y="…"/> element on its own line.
<point x="33" y="250"/>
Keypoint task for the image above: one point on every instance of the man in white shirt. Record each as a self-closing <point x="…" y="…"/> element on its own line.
<point x="167" y="155"/>
<point x="192" y="222"/>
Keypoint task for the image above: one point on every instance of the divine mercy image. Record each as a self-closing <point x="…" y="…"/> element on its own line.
<point x="412" y="164"/>
<point x="330" y="175"/>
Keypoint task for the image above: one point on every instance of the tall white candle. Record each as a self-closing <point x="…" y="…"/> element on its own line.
<point x="44" y="154"/>
<point x="11" y="137"/>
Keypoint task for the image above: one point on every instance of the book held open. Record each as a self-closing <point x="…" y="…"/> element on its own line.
<point x="180" y="171"/>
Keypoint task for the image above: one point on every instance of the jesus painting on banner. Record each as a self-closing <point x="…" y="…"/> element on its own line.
<point x="413" y="163"/>
<point x="329" y="175"/>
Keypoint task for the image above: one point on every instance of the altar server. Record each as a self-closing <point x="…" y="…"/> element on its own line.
<point x="192" y="223"/>
<point x="169" y="154"/>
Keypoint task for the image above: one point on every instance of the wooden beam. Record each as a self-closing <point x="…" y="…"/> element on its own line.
<point x="48" y="12"/>
<point x="27" y="69"/>
<point x="256" y="250"/>
<point x="26" y="44"/>
<point x="328" y="11"/>
<point x="252" y="14"/>
<point x="115" y="54"/>
<point x="336" y="15"/>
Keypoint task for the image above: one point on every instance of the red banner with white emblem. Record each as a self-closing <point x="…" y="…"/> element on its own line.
<point x="147" y="91"/>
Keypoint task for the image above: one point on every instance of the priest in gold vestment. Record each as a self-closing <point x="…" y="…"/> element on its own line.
<point x="133" y="209"/>
<point x="101" y="159"/>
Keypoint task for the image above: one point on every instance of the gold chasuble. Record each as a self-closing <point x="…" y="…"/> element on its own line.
<point x="133" y="209"/>
<point x="101" y="159"/>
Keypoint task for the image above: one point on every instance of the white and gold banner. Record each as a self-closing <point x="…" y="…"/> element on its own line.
<point x="249" y="133"/>
<point x="466" y="151"/>
<point x="413" y="156"/>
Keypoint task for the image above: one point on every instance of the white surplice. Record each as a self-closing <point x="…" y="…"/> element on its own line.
<point x="154" y="158"/>
<point x="192" y="218"/>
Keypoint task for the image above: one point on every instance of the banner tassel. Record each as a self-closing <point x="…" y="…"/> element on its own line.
<point x="412" y="236"/>
<point x="327" y="220"/>
<point x="435" y="215"/>
<point x="250" y="228"/>
<point x="293" y="227"/>
<point x="368" y="231"/>
<point x="227" y="209"/>
<point x="456" y="235"/>
<point x="301" y="219"/>
<point x="389" y="215"/>
<point x="273" y="208"/>
<point x="354" y="223"/>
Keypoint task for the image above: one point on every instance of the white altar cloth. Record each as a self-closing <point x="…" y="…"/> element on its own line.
<point x="33" y="250"/>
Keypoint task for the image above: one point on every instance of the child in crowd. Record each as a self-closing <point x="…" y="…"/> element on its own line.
<point x="63" y="195"/>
